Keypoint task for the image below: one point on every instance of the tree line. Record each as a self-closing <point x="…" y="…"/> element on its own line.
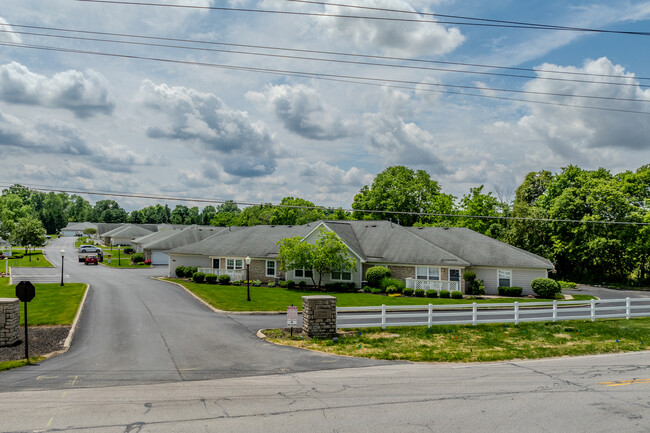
<point x="549" y="215"/>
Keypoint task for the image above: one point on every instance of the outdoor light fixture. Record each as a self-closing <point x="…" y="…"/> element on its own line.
<point x="62" y="261"/>
<point x="248" y="278"/>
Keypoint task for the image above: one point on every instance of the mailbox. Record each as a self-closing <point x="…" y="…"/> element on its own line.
<point x="25" y="291"/>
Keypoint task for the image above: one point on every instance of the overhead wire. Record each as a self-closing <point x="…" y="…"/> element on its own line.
<point x="350" y="78"/>
<point x="323" y="208"/>
<point x="317" y="59"/>
<point x="482" y="21"/>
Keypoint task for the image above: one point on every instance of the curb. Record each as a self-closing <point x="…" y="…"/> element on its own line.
<point x="75" y="322"/>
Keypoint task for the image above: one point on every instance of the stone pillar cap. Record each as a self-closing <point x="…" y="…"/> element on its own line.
<point x="316" y="297"/>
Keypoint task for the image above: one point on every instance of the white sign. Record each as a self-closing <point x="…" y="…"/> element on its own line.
<point x="292" y="316"/>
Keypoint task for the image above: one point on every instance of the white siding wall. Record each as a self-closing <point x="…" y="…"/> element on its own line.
<point x="176" y="260"/>
<point x="520" y="278"/>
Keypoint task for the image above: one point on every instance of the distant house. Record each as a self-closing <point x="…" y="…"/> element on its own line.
<point x="76" y="229"/>
<point x="424" y="257"/>
<point x="154" y="246"/>
<point x="124" y="235"/>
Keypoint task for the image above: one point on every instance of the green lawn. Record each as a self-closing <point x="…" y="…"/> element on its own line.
<point x="233" y="298"/>
<point x="53" y="304"/>
<point x="33" y="259"/>
<point x="482" y="343"/>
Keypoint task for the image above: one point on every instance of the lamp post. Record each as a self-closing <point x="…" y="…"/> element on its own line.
<point x="248" y="278"/>
<point x="62" y="261"/>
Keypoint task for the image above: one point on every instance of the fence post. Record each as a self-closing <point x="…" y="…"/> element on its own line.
<point x="383" y="316"/>
<point x="430" y="318"/>
<point x="593" y="310"/>
<point x="554" y="310"/>
<point x="516" y="313"/>
<point x="474" y="313"/>
<point x="627" y="308"/>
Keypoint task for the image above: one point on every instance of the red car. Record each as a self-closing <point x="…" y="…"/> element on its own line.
<point x="91" y="260"/>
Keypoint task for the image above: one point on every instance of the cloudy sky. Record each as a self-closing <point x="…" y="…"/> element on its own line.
<point x="218" y="103"/>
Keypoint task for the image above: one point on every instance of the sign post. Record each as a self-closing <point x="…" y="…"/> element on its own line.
<point x="292" y="318"/>
<point x="25" y="292"/>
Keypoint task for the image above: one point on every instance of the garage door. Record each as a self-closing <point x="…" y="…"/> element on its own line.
<point x="159" y="258"/>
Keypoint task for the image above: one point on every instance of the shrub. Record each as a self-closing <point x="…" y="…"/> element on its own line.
<point x="198" y="277"/>
<point x="567" y="285"/>
<point x="291" y="285"/>
<point x="510" y="291"/>
<point x="224" y="279"/>
<point x="407" y="291"/>
<point x="341" y="287"/>
<point x="387" y="281"/>
<point x="419" y="293"/>
<point x="367" y="289"/>
<point x="302" y="284"/>
<point x="375" y="274"/>
<point x="190" y="270"/>
<point x="444" y="294"/>
<point x="211" y="278"/>
<point x="236" y="283"/>
<point x="478" y="288"/>
<point x="137" y="258"/>
<point x="456" y="294"/>
<point x="147" y="262"/>
<point x="283" y="284"/>
<point x="256" y="283"/>
<point x="376" y="291"/>
<point x="391" y="290"/>
<point x="180" y="271"/>
<point x="271" y="284"/>
<point x="545" y="287"/>
<point x="128" y="250"/>
<point x="432" y="293"/>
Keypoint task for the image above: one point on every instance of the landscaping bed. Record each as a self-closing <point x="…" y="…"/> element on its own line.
<point x="43" y="340"/>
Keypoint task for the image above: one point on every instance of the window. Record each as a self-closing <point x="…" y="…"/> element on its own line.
<point x="216" y="263"/>
<point x="454" y="275"/>
<point x="427" y="273"/>
<point x="505" y="277"/>
<point x="234" y="264"/>
<point x="342" y="275"/>
<point x="270" y="268"/>
<point x="302" y="273"/>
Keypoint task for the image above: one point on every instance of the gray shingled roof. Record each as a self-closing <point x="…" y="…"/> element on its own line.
<point x="180" y="238"/>
<point x="156" y="236"/>
<point x="382" y="241"/>
<point x="79" y="226"/>
<point x="478" y="249"/>
<point x="254" y="241"/>
<point x="128" y="231"/>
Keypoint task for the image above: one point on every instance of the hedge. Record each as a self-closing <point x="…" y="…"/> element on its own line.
<point x="510" y="291"/>
<point x="545" y="287"/>
<point x="375" y="274"/>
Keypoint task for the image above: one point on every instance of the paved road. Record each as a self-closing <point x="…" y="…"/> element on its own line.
<point x="137" y="330"/>
<point x="587" y="394"/>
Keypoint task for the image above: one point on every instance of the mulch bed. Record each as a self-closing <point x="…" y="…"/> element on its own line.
<point x="42" y="340"/>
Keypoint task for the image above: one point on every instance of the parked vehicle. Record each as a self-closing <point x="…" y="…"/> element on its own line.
<point x="91" y="260"/>
<point x="89" y="249"/>
<point x="97" y="252"/>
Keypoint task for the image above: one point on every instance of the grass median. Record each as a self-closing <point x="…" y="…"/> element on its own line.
<point x="233" y="298"/>
<point x="33" y="259"/>
<point x="481" y="343"/>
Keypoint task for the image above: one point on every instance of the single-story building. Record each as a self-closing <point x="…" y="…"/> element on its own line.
<point x="154" y="247"/>
<point x="424" y="257"/>
<point x="124" y="235"/>
<point x="76" y="229"/>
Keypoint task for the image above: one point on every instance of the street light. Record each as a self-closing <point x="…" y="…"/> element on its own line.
<point x="248" y="278"/>
<point x="62" y="257"/>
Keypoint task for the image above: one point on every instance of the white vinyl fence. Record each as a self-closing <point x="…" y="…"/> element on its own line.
<point x="456" y="314"/>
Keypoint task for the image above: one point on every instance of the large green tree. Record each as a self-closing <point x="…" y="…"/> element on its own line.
<point x="28" y="231"/>
<point x="295" y="211"/>
<point x="400" y="189"/>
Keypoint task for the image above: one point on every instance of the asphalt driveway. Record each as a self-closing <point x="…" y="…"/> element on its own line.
<point x="137" y="330"/>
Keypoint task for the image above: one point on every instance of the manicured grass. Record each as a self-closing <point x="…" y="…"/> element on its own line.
<point x="233" y="298"/>
<point x="489" y="342"/>
<point x="33" y="259"/>
<point x="8" y="365"/>
<point x="52" y="305"/>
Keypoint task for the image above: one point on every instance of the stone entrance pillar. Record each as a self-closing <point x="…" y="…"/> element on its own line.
<point x="319" y="316"/>
<point x="9" y="321"/>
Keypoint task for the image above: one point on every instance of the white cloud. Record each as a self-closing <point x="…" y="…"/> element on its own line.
<point x="398" y="142"/>
<point x="331" y="179"/>
<point x="247" y="147"/>
<point x="405" y="39"/>
<point x="302" y="111"/>
<point x="6" y="33"/>
<point x="83" y="93"/>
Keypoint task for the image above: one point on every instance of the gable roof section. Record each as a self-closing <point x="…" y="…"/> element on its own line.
<point x="480" y="250"/>
<point x="156" y="236"/>
<point x="128" y="231"/>
<point x="384" y="242"/>
<point x="180" y="238"/>
<point x="254" y="241"/>
<point x="79" y="226"/>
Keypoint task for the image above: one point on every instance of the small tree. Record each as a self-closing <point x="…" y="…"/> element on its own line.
<point x="28" y="231"/>
<point x="469" y="277"/>
<point x="327" y="254"/>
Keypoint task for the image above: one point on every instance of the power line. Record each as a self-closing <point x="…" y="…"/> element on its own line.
<point x="483" y="22"/>
<point x="338" y="53"/>
<point x="351" y="79"/>
<point x="336" y="61"/>
<point x="323" y="208"/>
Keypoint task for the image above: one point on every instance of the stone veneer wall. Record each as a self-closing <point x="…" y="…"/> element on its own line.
<point x="9" y="321"/>
<point x="319" y="316"/>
